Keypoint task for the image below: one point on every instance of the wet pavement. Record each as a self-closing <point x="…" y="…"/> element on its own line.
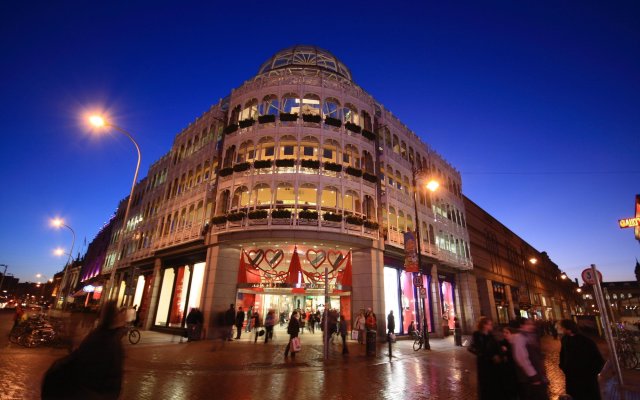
<point x="160" y="367"/>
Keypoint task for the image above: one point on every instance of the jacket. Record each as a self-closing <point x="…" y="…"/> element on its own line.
<point x="294" y="327"/>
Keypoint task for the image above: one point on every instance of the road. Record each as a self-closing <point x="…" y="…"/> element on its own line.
<point x="162" y="368"/>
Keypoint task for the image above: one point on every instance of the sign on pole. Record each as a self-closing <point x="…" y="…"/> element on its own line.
<point x="423" y="292"/>
<point x="410" y="253"/>
<point x="589" y="278"/>
<point x="417" y="281"/>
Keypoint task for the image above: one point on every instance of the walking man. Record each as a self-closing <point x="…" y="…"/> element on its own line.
<point x="229" y="319"/>
<point x="391" y="323"/>
<point x="530" y="363"/>
<point x="239" y="322"/>
<point x="581" y="362"/>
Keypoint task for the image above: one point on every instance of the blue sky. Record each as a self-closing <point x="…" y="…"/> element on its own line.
<point x="536" y="103"/>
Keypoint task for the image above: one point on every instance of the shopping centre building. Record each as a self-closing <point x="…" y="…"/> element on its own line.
<point x="296" y="176"/>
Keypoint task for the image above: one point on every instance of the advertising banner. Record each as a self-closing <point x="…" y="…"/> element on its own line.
<point x="410" y="253"/>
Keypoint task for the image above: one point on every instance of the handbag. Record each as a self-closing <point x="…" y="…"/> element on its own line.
<point x="392" y="337"/>
<point x="354" y="335"/>
<point x="295" y="345"/>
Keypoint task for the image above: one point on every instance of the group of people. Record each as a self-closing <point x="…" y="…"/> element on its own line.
<point x="513" y="367"/>
<point x="366" y="320"/>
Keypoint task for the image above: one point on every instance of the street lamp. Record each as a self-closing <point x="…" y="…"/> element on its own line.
<point x="563" y="276"/>
<point x="3" y="274"/>
<point x="58" y="223"/>
<point x="432" y="185"/>
<point x="99" y="122"/>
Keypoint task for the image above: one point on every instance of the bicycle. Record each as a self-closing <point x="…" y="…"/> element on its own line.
<point x="626" y="354"/>
<point x="418" y="340"/>
<point x="133" y="335"/>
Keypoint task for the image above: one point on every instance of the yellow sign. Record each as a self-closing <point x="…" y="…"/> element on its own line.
<point x="629" y="222"/>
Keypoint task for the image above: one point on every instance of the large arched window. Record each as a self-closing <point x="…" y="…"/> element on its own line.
<point x="403" y="150"/>
<point x="367" y="161"/>
<point x="266" y="148"/>
<point x="351" y="201"/>
<point x="409" y="223"/>
<point x="307" y="195"/>
<point x="368" y="208"/>
<point x="350" y="114"/>
<point x="198" y="174"/>
<point x="291" y="103"/>
<point x="330" y="197"/>
<point x="396" y="144"/>
<point x="191" y="216"/>
<point x="270" y="105"/>
<point x="261" y="195"/>
<point x="223" y="202"/>
<point x="331" y="151"/>
<point x="240" y="197"/>
<point x="229" y="156"/>
<point x="235" y="114"/>
<point x="245" y="152"/>
<point x="311" y="104"/>
<point x="331" y="108"/>
<point x="402" y="221"/>
<point x="351" y="156"/>
<point x="432" y="235"/>
<point x="287" y="147"/>
<point x="411" y="157"/>
<point x="366" y="121"/>
<point x="393" y="219"/>
<point x="405" y="182"/>
<point x="250" y="110"/>
<point x="309" y="148"/>
<point x="398" y="180"/>
<point x="285" y="194"/>
<point x="387" y="137"/>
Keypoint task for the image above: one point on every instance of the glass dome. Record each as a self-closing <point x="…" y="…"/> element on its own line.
<point x="305" y="56"/>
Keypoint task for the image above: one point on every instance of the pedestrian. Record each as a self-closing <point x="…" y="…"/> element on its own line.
<point x="311" y="322"/>
<point x="371" y="322"/>
<point x="581" y="362"/>
<point x="255" y="321"/>
<point x="391" y="324"/>
<point x="529" y="362"/>
<point x="293" y="329"/>
<point x="130" y="314"/>
<point x="136" y="322"/>
<point x="239" y="321"/>
<point x="79" y="375"/>
<point x="507" y="378"/>
<point x="485" y="347"/>
<point x="412" y="328"/>
<point x="229" y="320"/>
<point x="457" y="332"/>
<point x="359" y="325"/>
<point x="194" y="321"/>
<point x="17" y="317"/>
<point x="249" y="319"/>
<point x="343" y="333"/>
<point x="269" y="322"/>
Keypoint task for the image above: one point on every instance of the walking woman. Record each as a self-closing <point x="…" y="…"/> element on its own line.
<point x="485" y="347"/>
<point x="293" y="330"/>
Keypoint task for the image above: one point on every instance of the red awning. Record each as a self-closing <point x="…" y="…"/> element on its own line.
<point x="247" y="273"/>
<point x="294" y="275"/>
<point x="344" y="276"/>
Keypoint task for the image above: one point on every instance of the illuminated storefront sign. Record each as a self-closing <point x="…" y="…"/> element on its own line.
<point x="629" y="222"/>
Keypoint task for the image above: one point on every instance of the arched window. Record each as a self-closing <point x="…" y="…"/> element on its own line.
<point x="245" y="152"/>
<point x="240" y="198"/>
<point x="270" y="105"/>
<point x="311" y="104"/>
<point x="235" y="114"/>
<point x="432" y="235"/>
<point x="398" y="180"/>
<point x="424" y="233"/>
<point x="191" y="216"/>
<point x="250" y="110"/>
<point x="396" y="144"/>
<point x="409" y="223"/>
<point x="190" y="179"/>
<point x="285" y="194"/>
<point x="351" y="201"/>
<point x="309" y="148"/>
<point x="402" y="221"/>
<point x="411" y="156"/>
<point x="367" y="161"/>
<point x="419" y="162"/>
<point x="229" y="156"/>
<point x="366" y="121"/>
<point x="291" y="103"/>
<point x="265" y="148"/>
<point x="393" y="219"/>
<point x="183" y="219"/>
<point x="351" y="156"/>
<point x="167" y="225"/>
<point x="198" y="174"/>
<point x="368" y="208"/>
<point x="387" y="137"/>
<point x="330" y="197"/>
<point x="206" y="171"/>
<point x="261" y="195"/>
<point x="331" y="108"/>
<point x="403" y="150"/>
<point x="223" y="203"/>
<point x="199" y="212"/>
<point x="331" y="151"/>
<point x="406" y="184"/>
<point x="287" y="147"/>
<point x="307" y="195"/>
<point x="350" y="114"/>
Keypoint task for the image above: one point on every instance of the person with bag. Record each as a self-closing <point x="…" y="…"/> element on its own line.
<point x="293" y="329"/>
<point x="358" y="327"/>
<point x="485" y="347"/>
<point x="269" y="323"/>
<point x="581" y="362"/>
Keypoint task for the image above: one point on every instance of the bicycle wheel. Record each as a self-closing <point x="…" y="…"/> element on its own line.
<point x="417" y="344"/>
<point x="134" y="336"/>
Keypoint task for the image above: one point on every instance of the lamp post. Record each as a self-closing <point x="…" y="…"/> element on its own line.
<point x="3" y="274"/>
<point x="99" y="122"/>
<point x="41" y="284"/>
<point x="59" y="223"/>
<point x="432" y="186"/>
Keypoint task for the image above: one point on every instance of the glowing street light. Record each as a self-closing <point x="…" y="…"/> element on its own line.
<point x="433" y="185"/>
<point x="58" y="252"/>
<point x="98" y="122"/>
<point x="58" y="223"/>
<point x="533" y="260"/>
<point x="563" y="276"/>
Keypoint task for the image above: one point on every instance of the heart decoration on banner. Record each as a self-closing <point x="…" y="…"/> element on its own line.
<point x="335" y="258"/>
<point x="255" y="257"/>
<point x="316" y="257"/>
<point x="273" y="257"/>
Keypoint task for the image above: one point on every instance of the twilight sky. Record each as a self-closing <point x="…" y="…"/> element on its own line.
<point x="536" y="103"/>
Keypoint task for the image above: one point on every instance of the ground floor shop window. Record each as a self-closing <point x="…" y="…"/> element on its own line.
<point x="391" y="296"/>
<point x="139" y="291"/>
<point x="180" y="291"/>
<point x="448" y="304"/>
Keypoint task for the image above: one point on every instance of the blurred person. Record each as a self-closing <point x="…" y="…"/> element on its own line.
<point x="391" y="323"/>
<point x="343" y="333"/>
<point x="230" y="319"/>
<point x="195" y="319"/>
<point x="485" y="347"/>
<point x="239" y="321"/>
<point x="269" y="323"/>
<point x="17" y="317"/>
<point x="359" y="325"/>
<point x="94" y="369"/>
<point x="507" y="377"/>
<point x="581" y="362"/>
<point x="457" y="332"/>
<point x="247" y="328"/>
<point x="293" y="329"/>
<point x="371" y="321"/>
<point x="529" y="362"/>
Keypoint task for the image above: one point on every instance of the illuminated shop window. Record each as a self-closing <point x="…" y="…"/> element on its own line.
<point x="250" y="110"/>
<point x="285" y="194"/>
<point x="311" y="104"/>
<point x="350" y="113"/>
<point x="240" y="197"/>
<point x="261" y="194"/>
<point x="307" y="195"/>
<point x="330" y="197"/>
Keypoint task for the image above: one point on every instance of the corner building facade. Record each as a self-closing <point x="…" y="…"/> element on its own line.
<point x="296" y="171"/>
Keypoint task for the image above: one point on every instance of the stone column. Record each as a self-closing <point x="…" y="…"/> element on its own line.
<point x="368" y="284"/>
<point x="468" y="303"/>
<point x="492" y="301"/>
<point x="436" y="305"/>
<point x="512" y="311"/>
<point x="155" y="293"/>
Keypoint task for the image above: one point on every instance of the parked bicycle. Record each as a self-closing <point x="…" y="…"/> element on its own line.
<point x="418" y="341"/>
<point x="626" y="352"/>
<point x="133" y="334"/>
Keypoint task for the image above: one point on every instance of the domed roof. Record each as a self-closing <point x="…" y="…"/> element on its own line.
<point x="305" y="56"/>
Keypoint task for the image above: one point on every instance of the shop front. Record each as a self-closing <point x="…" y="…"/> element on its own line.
<point x="180" y="291"/>
<point x="447" y="299"/>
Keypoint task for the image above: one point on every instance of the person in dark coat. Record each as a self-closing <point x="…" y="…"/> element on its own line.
<point x="391" y="323"/>
<point x="343" y="333"/>
<point x="230" y="319"/>
<point x="581" y="362"/>
<point x="457" y="332"/>
<point x="485" y="347"/>
<point x="94" y="369"/>
<point x="195" y="319"/>
<point x="239" y="322"/>
<point x="507" y="377"/>
<point x="293" y="330"/>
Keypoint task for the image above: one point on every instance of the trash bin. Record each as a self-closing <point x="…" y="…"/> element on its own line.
<point x="371" y="343"/>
